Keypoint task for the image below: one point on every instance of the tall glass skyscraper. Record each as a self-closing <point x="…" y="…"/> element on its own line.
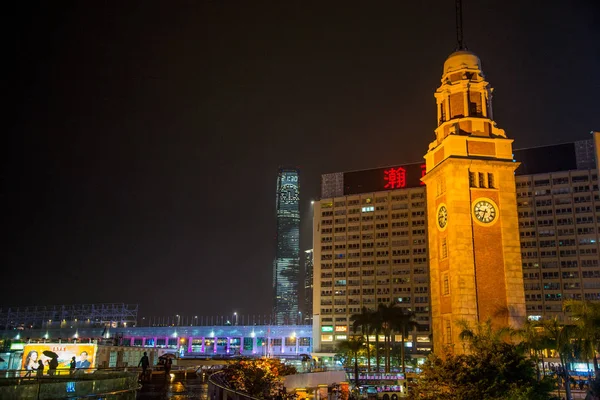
<point x="286" y="268"/>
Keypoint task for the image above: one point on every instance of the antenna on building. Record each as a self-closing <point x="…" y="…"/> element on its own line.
<point x="459" y="26"/>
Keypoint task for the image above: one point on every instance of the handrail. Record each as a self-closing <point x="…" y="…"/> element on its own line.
<point x="63" y="374"/>
<point x="217" y="375"/>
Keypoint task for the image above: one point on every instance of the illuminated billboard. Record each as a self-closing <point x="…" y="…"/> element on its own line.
<point x="382" y="179"/>
<point x="84" y="353"/>
<point x="372" y="180"/>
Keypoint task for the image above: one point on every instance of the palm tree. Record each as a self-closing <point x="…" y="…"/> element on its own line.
<point x="353" y="346"/>
<point x="404" y="322"/>
<point x="377" y="328"/>
<point x="561" y="337"/>
<point x="395" y="319"/>
<point x="586" y="315"/>
<point x="364" y="321"/>
<point x="482" y="335"/>
<point x="386" y="316"/>
<point x="534" y="342"/>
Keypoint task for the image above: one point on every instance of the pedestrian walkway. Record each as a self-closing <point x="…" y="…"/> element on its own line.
<point x="179" y="387"/>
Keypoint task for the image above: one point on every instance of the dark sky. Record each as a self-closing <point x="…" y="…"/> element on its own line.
<point x="143" y="139"/>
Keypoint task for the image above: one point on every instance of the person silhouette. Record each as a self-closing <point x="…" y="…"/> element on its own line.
<point x="144" y="362"/>
<point x="52" y="365"/>
<point x="40" y="369"/>
<point x="72" y="365"/>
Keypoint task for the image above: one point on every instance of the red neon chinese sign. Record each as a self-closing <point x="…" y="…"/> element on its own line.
<point x="395" y="178"/>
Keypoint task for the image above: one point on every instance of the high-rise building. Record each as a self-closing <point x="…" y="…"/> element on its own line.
<point x="308" y="286"/>
<point x="480" y="242"/>
<point x="558" y="204"/>
<point x="474" y="249"/>
<point x="286" y="267"/>
<point x="370" y="248"/>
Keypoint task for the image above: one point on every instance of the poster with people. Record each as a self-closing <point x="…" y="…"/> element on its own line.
<point x="84" y="353"/>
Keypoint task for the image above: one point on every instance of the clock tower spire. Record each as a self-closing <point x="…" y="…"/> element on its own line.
<point x="474" y="245"/>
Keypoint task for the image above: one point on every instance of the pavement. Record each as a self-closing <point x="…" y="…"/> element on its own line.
<point x="177" y="388"/>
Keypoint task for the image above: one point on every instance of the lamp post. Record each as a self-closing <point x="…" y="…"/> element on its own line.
<point x="195" y="320"/>
<point x="178" y="319"/>
<point x="235" y="318"/>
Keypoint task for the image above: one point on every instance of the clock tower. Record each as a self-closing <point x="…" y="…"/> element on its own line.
<point x="474" y="246"/>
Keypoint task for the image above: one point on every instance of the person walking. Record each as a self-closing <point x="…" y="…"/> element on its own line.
<point x="72" y="365"/>
<point x="40" y="369"/>
<point x="52" y="365"/>
<point x="144" y="363"/>
<point x="168" y="363"/>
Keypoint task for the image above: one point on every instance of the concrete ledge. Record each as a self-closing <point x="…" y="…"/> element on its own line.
<point x="48" y="388"/>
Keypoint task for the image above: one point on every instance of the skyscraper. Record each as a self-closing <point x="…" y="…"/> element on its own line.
<point x="308" y="286"/>
<point x="286" y="268"/>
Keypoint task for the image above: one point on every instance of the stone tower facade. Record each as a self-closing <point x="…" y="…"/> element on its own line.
<point x="474" y="246"/>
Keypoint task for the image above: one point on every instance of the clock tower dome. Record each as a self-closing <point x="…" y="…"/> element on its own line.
<point x="474" y="246"/>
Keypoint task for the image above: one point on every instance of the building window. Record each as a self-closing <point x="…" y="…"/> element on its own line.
<point x="491" y="183"/>
<point x="481" y="180"/>
<point x="443" y="249"/>
<point x="445" y="284"/>
<point x="472" y="182"/>
<point x="448" y="332"/>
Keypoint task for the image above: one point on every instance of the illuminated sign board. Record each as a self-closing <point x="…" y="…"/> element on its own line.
<point x="84" y="353"/>
<point x="326" y="338"/>
<point x="382" y="179"/>
<point x="381" y="377"/>
<point x="327" y="329"/>
<point x="17" y="346"/>
<point x="341" y="328"/>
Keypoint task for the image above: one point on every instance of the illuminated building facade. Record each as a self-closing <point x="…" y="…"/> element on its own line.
<point x="497" y="234"/>
<point x="558" y="202"/>
<point x="308" y="287"/>
<point x="287" y="341"/>
<point x="474" y="247"/>
<point x="286" y="268"/>
<point x="370" y="248"/>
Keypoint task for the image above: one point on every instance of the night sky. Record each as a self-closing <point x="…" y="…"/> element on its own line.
<point x="143" y="141"/>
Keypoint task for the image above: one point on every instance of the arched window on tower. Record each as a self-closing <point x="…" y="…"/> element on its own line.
<point x="475" y="109"/>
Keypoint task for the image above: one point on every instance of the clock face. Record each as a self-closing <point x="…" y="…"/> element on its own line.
<point x="442" y="217"/>
<point x="289" y="194"/>
<point x="484" y="211"/>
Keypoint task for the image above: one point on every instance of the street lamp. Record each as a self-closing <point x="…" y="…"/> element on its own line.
<point x="235" y="316"/>
<point x="300" y="314"/>
<point x="178" y="319"/>
<point x="195" y="320"/>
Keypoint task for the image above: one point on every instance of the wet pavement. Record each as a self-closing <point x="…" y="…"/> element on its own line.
<point x="178" y="388"/>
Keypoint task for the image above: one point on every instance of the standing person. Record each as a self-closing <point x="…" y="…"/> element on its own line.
<point x="72" y="365"/>
<point x="40" y="369"/>
<point x="144" y="362"/>
<point x="52" y="365"/>
<point x="168" y="363"/>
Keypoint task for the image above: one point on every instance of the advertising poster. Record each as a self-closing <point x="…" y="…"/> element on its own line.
<point x="84" y="353"/>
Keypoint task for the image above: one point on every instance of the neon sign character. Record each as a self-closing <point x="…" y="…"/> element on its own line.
<point x="395" y="178"/>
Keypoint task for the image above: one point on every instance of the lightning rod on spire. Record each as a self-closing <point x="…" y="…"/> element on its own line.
<point x="459" y="27"/>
